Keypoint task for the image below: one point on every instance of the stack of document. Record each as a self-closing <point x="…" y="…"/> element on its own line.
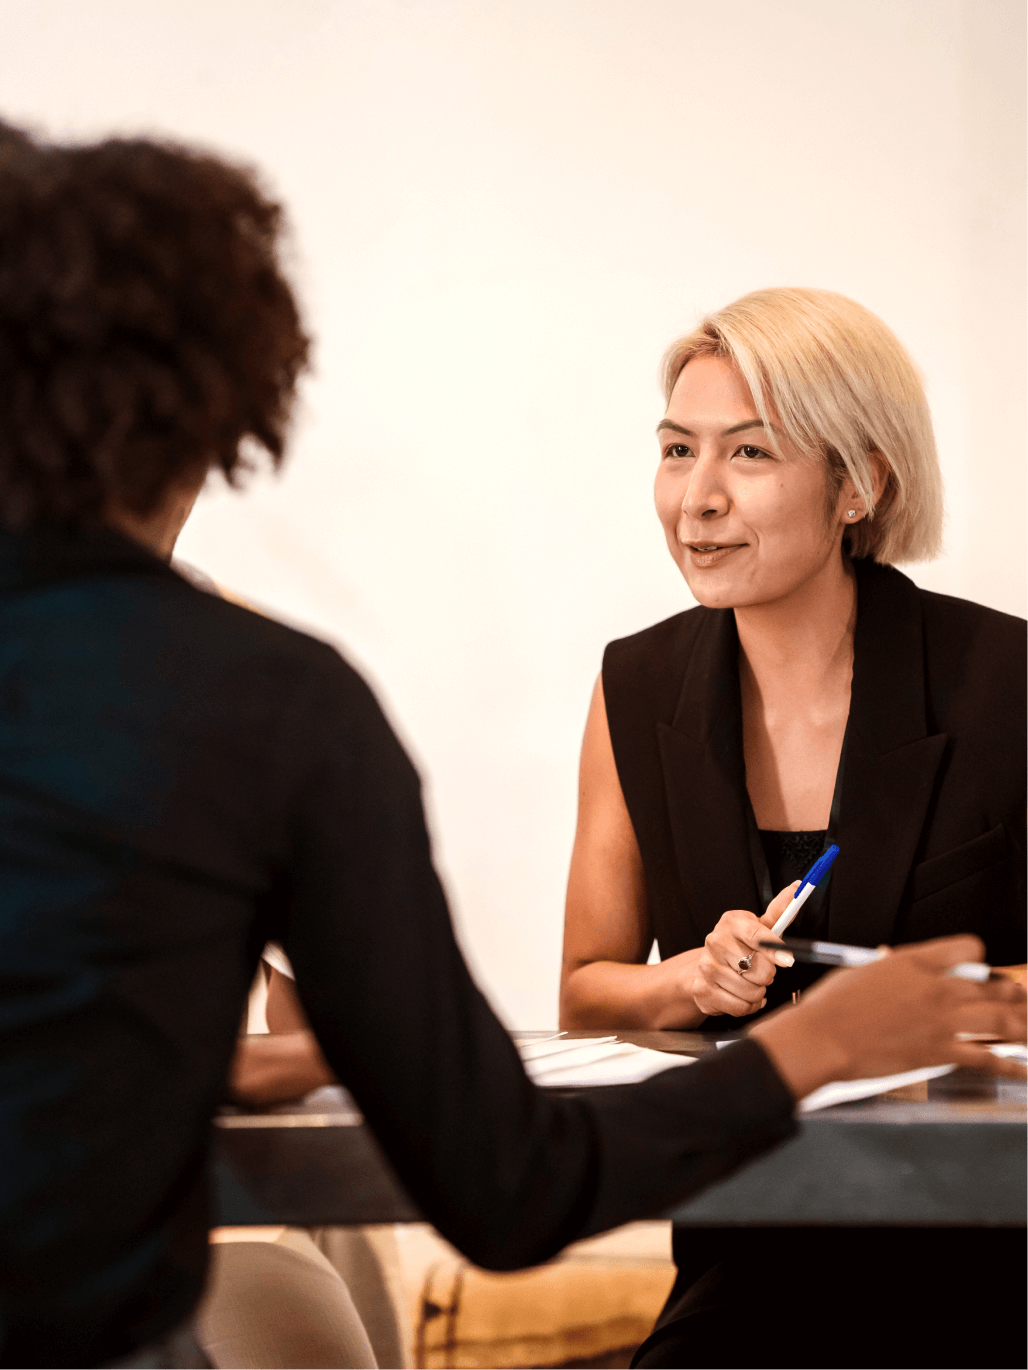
<point x="563" y="1063"/>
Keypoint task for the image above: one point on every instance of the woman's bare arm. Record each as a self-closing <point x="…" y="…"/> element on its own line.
<point x="283" y="1011"/>
<point x="275" y="1066"/>
<point x="283" y="1063"/>
<point x="607" y="935"/>
<point x="607" y="932"/>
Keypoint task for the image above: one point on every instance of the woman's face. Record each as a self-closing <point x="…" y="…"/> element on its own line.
<point x="746" y="522"/>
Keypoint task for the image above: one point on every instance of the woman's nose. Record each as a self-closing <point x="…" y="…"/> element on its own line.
<point x="705" y="495"/>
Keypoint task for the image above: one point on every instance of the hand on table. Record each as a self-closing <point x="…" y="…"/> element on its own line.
<point x="897" y="1014"/>
<point x="719" y="984"/>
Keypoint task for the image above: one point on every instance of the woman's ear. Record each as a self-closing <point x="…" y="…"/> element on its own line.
<point x="852" y="505"/>
<point x="879" y="474"/>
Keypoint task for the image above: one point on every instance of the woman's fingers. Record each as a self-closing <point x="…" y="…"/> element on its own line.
<point x="715" y="1000"/>
<point x="896" y="1014"/>
<point x="778" y="905"/>
<point x="719" y="989"/>
<point x="759" y="973"/>
<point x="945" y="951"/>
<point x="742" y="986"/>
<point x="737" y="933"/>
<point x="762" y="969"/>
<point x="728" y="966"/>
<point x="1002" y="1019"/>
<point x="732" y="991"/>
<point x="736" y="939"/>
<point x="996" y="1007"/>
<point x="715" y="981"/>
<point x="976" y="1057"/>
<point x="732" y="975"/>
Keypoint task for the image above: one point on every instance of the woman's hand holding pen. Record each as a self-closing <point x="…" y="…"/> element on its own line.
<point x="732" y="974"/>
<point x="897" y="1014"/>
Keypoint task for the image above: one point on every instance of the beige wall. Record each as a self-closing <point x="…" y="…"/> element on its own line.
<point x="504" y="209"/>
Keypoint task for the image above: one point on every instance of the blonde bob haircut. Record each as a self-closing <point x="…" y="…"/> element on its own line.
<point x="832" y="379"/>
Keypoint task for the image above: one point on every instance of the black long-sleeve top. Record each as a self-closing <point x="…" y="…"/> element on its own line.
<point x="181" y="780"/>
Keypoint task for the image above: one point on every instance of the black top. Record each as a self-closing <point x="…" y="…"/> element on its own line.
<point x="181" y="780"/>
<point x="788" y="856"/>
<point x="930" y="801"/>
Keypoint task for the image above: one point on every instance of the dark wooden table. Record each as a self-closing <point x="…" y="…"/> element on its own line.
<point x="947" y="1153"/>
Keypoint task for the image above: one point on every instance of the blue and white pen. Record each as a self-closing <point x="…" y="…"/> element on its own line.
<point x="806" y="888"/>
<point x="808" y="885"/>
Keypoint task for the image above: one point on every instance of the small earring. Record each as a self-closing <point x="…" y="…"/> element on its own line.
<point x="851" y="513"/>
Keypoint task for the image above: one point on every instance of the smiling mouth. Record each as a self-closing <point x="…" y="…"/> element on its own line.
<point x="708" y="556"/>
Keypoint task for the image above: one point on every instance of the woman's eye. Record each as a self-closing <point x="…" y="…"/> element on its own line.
<point x="678" y="449"/>
<point x="751" y="452"/>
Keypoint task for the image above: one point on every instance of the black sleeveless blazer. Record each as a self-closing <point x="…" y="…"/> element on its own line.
<point x="931" y="806"/>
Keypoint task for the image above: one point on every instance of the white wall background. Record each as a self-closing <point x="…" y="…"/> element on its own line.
<point x="503" y="211"/>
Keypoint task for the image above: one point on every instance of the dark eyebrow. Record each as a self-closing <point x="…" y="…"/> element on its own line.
<point x="727" y="433"/>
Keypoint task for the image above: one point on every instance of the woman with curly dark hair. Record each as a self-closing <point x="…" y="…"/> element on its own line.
<point x="182" y="781"/>
<point x="146" y="329"/>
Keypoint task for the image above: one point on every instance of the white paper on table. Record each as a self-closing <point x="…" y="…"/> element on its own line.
<point x="578" y="1054"/>
<point x="601" y="1062"/>
<point x="1014" y="1051"/>
<point x="846" y="1091"/>
<point x="557" y="1046"/>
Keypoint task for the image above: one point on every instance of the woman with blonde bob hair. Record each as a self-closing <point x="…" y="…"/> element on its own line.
<point x="814" y="696"/>
<point x="844" y="390"/>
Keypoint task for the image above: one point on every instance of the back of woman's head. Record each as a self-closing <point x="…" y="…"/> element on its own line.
<point x="145" y="325"/>
<point x="839" y="385"/>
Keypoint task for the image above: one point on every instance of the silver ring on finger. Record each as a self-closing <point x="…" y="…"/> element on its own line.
<point x="745" y="963"/>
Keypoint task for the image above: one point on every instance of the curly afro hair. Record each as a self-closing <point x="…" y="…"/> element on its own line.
<point x="145" y="325"/>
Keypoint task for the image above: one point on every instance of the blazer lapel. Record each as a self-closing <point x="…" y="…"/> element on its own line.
<point x="889" y="761"/>
<point x="705" y="780"/>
